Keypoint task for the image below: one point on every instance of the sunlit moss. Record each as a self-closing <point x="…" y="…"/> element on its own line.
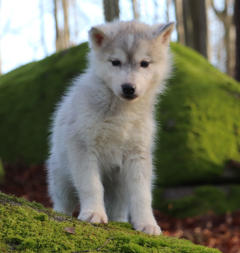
<point x="28" y="227"/>
<point x="200" y="123"/>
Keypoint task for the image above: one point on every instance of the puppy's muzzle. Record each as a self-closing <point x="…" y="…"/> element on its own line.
<point x="128" y="91"/>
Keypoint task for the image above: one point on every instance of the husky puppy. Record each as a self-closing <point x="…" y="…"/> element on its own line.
<point x="103" y="128"/>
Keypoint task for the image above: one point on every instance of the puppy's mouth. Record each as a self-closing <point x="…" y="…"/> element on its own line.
<point x="129" y="97"/>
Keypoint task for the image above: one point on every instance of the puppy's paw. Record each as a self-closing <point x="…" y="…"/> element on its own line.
<point x="150" y="229"/>
<point x="93" y="217"/>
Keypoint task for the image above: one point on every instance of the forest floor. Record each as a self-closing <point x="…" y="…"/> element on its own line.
<point x="216" y="231"/>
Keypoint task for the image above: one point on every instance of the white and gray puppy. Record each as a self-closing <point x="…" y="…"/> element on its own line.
<point x="102" y="133"/>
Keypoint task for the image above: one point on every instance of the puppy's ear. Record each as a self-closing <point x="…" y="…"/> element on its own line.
<point x="163" y="33"/>
<point x="97" y="37"/>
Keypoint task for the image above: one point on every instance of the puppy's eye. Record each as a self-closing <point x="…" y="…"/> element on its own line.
<point x="144" y="64"/>
<point x="116" y="63"/>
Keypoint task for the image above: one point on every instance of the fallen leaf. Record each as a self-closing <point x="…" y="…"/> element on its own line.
<point x="70" y="230"/>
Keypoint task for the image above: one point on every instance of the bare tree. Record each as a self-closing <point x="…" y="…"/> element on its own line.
<point x="195" y="25"/>
<point x="237" y="23"/>
<point x="226" y="17"/>
<point x="135" y="8"/>
<point x="179" y="17"/>
<point x="156" y="12"/>
<point x="66" y="33"/>
<point x="42" y="30"/>
<point x="57" y="29"/>
<point x="168" y="3"/>
<point x="62" y="39"/>
<point x="111" y="10"/>
<point x="75" y="17"/>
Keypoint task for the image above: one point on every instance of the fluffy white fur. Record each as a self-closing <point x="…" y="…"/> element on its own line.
<point x="101" y="142"/>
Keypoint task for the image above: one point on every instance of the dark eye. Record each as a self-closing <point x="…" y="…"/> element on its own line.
<point x="116" y="63"/>
<point x="144" y="64"/>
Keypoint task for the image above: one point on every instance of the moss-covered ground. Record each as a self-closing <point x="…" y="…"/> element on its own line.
<point x="29" y="227"/>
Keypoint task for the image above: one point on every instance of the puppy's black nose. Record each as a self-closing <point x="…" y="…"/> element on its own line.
<point x="128" y="90"/>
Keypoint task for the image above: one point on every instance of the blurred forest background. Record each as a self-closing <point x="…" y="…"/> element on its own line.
<point x="31" y="30"/>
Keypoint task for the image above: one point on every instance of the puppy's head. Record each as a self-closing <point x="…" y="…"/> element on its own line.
<point x="131" y="58"/>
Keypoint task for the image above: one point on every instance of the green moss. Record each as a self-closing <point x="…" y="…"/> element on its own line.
<point x="28" y="96"/>
<point x="26" y="227"/>
<point x="2" y="173"/>
<point x="199" y="116"/>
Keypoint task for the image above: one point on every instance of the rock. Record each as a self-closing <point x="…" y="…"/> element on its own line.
<point x="189" y="201"/>
<point x="200" y="118"/>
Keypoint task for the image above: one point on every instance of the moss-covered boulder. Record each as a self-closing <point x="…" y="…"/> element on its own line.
<point x="29" y="227"/>
<point x="199" y="115"/>
<point x="200" y="123"/>
<point x="187" y="201"/>
<point x="28" y="96"/>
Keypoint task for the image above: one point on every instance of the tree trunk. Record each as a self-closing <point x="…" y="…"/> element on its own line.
<point x="168" y="3"/>
<point x="42" y="29"/>
<point x="229" y="41"/>
<point x="229" y="34"/>
<point x="195" y="25"/>
<point x="75" y="18"/>
<point x="66" y="33"/>
<point x="188" y="23"/>
<point x="57" y="30"/>
<point x="62" y="34"/>
<point x="237" y="23"/>
<point x="135" y="8"/>
<point x="179" y="18"/>
<point x="111" y="10"/>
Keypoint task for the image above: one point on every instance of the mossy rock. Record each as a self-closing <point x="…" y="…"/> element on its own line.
<point x="190" y="201"/>
<point x="29" y="227"/>
<point x="28" y="96"/>
<point x="199" y="115"/>
<point x="200" y="123"/>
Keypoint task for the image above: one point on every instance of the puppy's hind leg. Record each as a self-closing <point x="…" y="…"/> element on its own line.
<point x="61" y="191"/>
<point x="116" y="201"/>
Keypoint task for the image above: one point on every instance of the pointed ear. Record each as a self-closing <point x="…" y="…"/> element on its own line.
<point x="97" y="37"/>
<point x="163" y="33"/>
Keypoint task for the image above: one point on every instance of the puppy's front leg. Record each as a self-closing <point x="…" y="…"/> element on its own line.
<point x="87" y="181"/>
<point x="138" y="180"/>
